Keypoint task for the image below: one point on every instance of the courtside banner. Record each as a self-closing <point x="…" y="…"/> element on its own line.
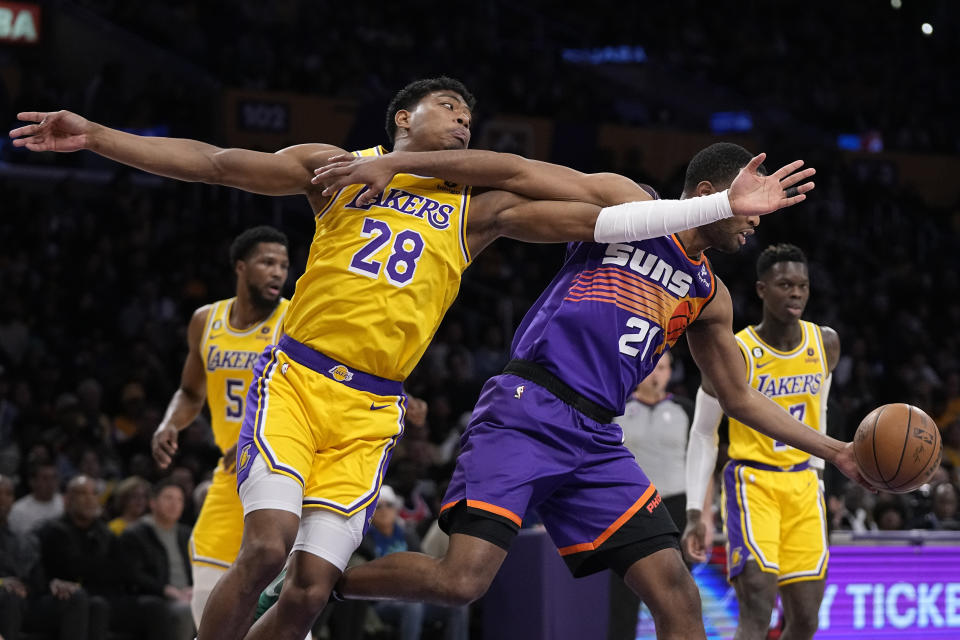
<point x="872" y="592"/>
<point x="19" y="23"/>
<point x="895" y="591"/>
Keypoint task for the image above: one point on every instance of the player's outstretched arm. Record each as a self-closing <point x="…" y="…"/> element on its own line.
<point x="188" y="399"/>
<point x="286" y="172"/>
<point x="529" y="178"/>
<point x="714" y="349"/>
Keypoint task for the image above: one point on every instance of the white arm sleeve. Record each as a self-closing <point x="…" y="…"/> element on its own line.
<point x="815" y="462"/>
<point x="702" y="447"/>
<point x="654" y="218"/>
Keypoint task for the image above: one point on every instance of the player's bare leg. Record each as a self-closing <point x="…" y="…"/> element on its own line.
<point x="306" y="590"/>
<point x="756" y="595"/>
<point x="460" y="577"/>
<point x="268" y="536"/>
<point x="801" y="608"/>
<point x="665" y="585"/>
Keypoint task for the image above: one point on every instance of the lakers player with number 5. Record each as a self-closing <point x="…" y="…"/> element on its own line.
<point x="224" y="341"/>
<point x="326" y="405"/>
<point x="773" y="508"/>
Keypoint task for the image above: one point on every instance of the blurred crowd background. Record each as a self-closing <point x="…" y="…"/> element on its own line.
<point x="102" y="267"/>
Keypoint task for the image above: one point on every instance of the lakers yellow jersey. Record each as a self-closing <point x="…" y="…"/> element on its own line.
<point x="228" y="357"/>
<point x="380" y="277"/>
<point x="792" y="379"/>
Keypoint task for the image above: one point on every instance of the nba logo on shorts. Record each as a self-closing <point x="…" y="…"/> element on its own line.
<point x="244" y="457"/>
<point x="341" y="374"/>
<point x="519" y="392"/>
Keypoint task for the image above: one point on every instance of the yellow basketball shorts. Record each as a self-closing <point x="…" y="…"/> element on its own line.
<point x="216" y="536"/>
<point x="777" y="518"/>
<point x="328" y="426"/>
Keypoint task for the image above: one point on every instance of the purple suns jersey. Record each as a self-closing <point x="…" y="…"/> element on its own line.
<point x="607" y="317"/>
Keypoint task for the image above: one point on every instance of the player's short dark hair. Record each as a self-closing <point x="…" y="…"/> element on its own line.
<point x="719" y="164"/>
<point x="408" y="97"/>
<point x="775" y="253"/>
<point x="245" y="243"/>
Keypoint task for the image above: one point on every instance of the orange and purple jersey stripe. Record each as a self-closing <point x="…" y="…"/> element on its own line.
<point x="611" y="312"/>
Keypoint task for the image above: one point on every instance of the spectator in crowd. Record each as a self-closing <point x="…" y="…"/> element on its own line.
<point x="157" y="559"/>
<point x="889" y="513"/>
<point x="129" y="428"/>
<point x="853" y="511"/>
<point x="79" y="559"/>
<point x="14" y="568"/>
<point x="80" y="555"/>
<point x="951" y="447"/>
<point x="43" y="502"/>
<point x="184" y="478"/>
<point x="130" y="502"/>
<point x="24" y="600"/>
<point x="386" y="535"/>
<point x="943" y="514"/>
<point x="95" y="423"/>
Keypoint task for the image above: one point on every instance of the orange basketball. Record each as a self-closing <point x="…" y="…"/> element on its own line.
<point x="897" y="447"/>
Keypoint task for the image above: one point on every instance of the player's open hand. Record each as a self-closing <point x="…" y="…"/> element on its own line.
<point x="164" y="444"/>
<point x="693" y="543"/>
<point x="62" y="131"/>
<point x="375" y="173"/>
<point x="754" y="195"/>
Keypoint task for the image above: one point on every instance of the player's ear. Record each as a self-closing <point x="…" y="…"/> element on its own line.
<point x="402" y="119"/>
<point x="705" y="188"/>
<point x="761" y="288"/>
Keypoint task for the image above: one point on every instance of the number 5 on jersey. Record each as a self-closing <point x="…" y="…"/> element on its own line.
<point x="236" y="389"/>
<point x="404" y="254"/>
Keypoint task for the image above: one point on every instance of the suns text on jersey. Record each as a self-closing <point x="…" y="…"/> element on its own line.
<point x="650" y="266"/>
<point x="772" y="386"/>
<point x="230" y="359"/>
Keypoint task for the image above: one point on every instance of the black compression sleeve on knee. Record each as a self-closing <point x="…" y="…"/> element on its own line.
<point x="461" y="520"/>
<point x="620" y="559"/>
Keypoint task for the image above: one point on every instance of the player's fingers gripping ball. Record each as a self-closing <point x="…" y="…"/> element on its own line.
<point x="897" y="447"/>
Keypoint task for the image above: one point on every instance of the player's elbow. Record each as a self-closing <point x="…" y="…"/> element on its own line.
<point x="212" y="168"/>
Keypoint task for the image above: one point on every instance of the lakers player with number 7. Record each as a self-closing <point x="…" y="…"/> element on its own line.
<point x="773" y="507"/>
<point x="224" y="341"/>
<point x="326" y="405"/>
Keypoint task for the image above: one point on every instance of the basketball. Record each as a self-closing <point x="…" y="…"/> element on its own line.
<point x="897" y="447"/>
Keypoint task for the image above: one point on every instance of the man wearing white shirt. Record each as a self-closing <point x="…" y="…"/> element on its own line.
<point x="44" y="500"/>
